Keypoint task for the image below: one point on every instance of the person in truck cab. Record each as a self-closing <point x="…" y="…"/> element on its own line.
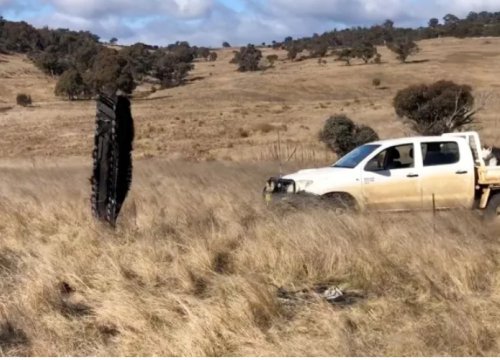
<point x="393" y="159"/>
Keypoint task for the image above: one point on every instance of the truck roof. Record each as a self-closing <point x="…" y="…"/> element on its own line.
<point x="411" y="139"/>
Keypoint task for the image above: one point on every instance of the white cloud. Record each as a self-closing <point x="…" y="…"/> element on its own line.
<point x="342" y="10"/>
<point x="165" y="21"/>
<point x="101" y="9"/>
<point x="194" y="8"/>
<point x="463" y="7"/>
<point x="5" y="3"/>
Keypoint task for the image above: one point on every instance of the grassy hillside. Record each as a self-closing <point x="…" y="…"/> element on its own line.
<point x="205" y="119"/>
<point x="198" y="265"/>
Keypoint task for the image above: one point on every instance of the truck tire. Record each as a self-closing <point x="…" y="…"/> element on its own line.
<point x="339" y="202"/>
<point x="492" y="211"/>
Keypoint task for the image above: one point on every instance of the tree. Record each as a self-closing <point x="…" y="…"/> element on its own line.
<point x="111" y="72"/>
<point x="437" y="108"/>
<point x="472" y="16"/>
<point x="170" y="70"/>
<point x="71" y="84"/>
<point x="139" y="58"/>
<point x="365" y="51"/>
<point x="450" y="19"/>
<point x="388" y="24"/>
<point x="113" y="41"/>
<point x="346" y="55"/>
<point x="83" y="56"/>
<point x="433" y="23"/>
<point x="182" y="51"/>
<point x="50" y="61"/>
<point x="225" y="44"/>
<point x="125" y="81"/>
<point x="403" y="48"/>
<point x="248" y="58"/>
<point x="318" y="49"/>
<point x="342" y="135"/>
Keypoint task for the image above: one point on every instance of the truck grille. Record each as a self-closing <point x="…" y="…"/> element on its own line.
<point x="280" y="186"/>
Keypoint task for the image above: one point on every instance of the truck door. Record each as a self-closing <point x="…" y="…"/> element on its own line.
<point x="391" y="179"/>
<point x="447" y="175"/>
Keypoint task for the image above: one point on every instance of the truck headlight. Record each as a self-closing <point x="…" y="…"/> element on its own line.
<point x="303" y="184"/>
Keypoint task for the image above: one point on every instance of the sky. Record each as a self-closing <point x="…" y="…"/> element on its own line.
<point x="210" y="22"/>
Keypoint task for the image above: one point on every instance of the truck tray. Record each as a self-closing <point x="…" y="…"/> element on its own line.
<point x="488" y="175"/>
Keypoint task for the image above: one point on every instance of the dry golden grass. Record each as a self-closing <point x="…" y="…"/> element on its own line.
<point x="196" y="261"/>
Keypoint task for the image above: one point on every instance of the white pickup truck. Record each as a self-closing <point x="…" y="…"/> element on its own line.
<point x="413" y="173"/>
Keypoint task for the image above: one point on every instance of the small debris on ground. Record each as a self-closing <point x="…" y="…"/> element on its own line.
<point x="332" y="294"/>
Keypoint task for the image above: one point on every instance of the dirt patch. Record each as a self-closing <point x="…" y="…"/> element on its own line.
<point x="469" y="56"/>
<point x="5" y="108"/>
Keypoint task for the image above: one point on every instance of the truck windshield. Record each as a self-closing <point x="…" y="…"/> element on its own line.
<point x="352" y="159"/>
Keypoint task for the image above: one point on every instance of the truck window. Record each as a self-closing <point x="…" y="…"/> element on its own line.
<point x="352" y="159"/>
<point x="395" y="157"/>
<point x="440" y="153"/>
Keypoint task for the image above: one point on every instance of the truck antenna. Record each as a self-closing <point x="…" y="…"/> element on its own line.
<point x="279" y="153"/>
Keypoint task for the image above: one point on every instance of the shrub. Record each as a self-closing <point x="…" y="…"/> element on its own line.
<point x="365" y="134"/>
<point x="292" y="53"/>
<point x="203" y="52"/>
<point x="243" y="133"/>
<point x="346" y="55"/>
<point x="265" y="127"/>
<point x="342" y="135"/>
<point x="212" y="56"/>
<point x="272" y="59"/>
<point x="236" y="57"/>
<point x="437" y="108"/>
<point x="376" y="82"/>
<point x="23" y="99"/>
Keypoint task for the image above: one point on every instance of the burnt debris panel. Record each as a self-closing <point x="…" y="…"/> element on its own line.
<point x="112" y="155"/>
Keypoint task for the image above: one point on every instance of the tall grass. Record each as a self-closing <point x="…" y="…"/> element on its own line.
<point x="195" y="265"/>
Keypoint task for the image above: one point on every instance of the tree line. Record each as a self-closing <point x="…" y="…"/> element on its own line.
<point x="473" y="25"/>
<point x="84" y="65"/>
<point x="360" y="42"/>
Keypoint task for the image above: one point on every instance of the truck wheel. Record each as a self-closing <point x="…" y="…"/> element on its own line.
<point x="339" y="202"/>
<point x="492" y="211"/>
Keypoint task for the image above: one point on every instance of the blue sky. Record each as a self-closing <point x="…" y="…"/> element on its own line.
<point x="209" y="22"/>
